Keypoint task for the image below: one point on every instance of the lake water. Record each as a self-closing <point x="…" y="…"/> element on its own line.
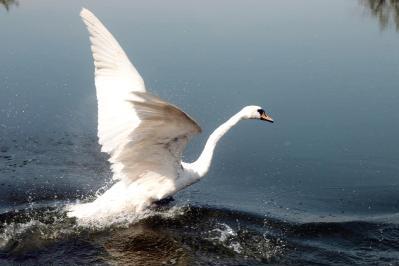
<point x="319" y="186"/>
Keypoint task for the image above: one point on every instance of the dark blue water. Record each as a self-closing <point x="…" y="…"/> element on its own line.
<point x="319" y="186"/>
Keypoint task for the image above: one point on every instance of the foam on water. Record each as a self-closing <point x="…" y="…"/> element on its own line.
<point x="226" y="236"/>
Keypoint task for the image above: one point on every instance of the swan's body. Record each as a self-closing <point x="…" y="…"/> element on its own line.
<point x="144" y="135"/>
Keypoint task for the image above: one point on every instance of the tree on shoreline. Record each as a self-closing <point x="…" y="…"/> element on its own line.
<point x="386" y="11"/>
<point x="8" y="3"/>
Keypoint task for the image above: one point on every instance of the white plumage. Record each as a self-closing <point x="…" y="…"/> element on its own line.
<point x="144" y="135"/>
<point x="116" y="118"/>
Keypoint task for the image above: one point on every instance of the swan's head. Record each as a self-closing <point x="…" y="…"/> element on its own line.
<point x="256" y="112"/>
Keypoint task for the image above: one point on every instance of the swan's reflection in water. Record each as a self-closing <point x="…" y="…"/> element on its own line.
<point x="143" y="245"/>
<point x="198" y="235"/>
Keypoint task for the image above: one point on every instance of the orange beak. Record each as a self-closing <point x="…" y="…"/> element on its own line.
<point x="267" y="118"/>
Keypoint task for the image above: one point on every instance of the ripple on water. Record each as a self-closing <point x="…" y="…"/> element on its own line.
<point x="189" y="235"/>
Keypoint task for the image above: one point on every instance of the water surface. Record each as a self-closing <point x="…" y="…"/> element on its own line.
<point x="321" y="185"/>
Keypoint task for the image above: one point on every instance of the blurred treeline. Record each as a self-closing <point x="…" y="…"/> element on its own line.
<point x="8" y="3"/>
<point x="386" y="11"/>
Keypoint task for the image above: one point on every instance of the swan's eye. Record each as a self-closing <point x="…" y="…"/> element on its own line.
<point x="261" y="111"/>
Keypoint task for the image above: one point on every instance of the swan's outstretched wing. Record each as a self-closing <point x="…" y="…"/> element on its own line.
<point x="115" y="78"/>
<point x="144" y="135"/>
<point x="152" y="157"/>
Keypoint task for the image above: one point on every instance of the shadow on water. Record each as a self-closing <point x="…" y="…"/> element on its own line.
<point x="8" y="3"/>
<point x="386" y="11"/>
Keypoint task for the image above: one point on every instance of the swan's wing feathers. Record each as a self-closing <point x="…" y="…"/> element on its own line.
<point x="162" y="134"/>
<point x="153" y="109"/>
<point x="152" y="157"/>
<point x="144" y="135"/>
<point x="115" y="78"/>
<point x="111" y="62"/>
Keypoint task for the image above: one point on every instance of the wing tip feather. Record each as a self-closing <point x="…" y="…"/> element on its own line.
<point x="89" y="18"/>
<point x="85" y="13"/>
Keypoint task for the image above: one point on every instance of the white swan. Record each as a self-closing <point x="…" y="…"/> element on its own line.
<point x="144" y="135"/>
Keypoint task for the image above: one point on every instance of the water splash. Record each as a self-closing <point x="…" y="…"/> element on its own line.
<point x="226" y="236"/>
<point x="122" y="203"/>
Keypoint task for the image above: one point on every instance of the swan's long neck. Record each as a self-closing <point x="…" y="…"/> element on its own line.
<point x="202" y="164"/>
